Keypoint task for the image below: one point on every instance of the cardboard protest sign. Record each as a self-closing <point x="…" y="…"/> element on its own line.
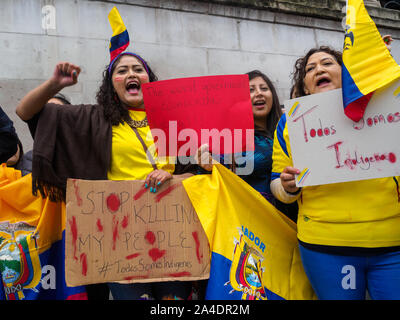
<point x="186" y="113"/>
<point x="119" y="231"/>
<point x="328" y="147"/>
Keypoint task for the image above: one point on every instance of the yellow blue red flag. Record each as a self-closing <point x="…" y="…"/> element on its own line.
<point x="367" y="63"/>
<point x="32" y="246"/>
<point x="120" y="37"/>
<point x="254" y="249"/>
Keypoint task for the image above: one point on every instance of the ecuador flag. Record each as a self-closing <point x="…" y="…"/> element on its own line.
<point x="367" y="63"/>
<point x="120" y="38"/>
<point x="31" y="243"/>
<point x="254" y="249"/>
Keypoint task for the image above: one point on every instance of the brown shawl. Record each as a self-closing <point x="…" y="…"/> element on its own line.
<point x="70" y="142"/>
<point x="74" y="141"/>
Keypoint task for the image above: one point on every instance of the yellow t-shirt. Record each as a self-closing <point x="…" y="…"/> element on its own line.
<point x="357" y="214"/>
<point x="128" y="158"/>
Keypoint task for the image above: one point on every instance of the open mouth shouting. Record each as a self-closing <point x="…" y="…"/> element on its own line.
<point x="259" y="104"/>
<point x="322" y="73"/>
<point x="323" y="82"/>
<point x="127" y="79"/>
<point x="133" y="87"/>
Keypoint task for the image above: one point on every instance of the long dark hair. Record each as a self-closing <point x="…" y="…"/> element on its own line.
<point x="276" y="110"/>
<point x="299" y="72"/>
<point x="108" y="99"/>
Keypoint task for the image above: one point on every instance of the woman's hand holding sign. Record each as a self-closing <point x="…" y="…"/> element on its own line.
<point x="288" y="179"/>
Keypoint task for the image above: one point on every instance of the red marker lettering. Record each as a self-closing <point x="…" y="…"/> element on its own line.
<point x="99" y="225"/>
<point x="337" y="153"/>
<point x="304" y="122"/>
<point x="115" y="235"/>
<point x="113" y="202"/>
<point x="83" y="260"/>
<point x="197" y="241"/>
<point x="179" y="274"/>
<point x="125" y="222"/>
<point x="156" y="254"/>
<point x="74" y="231"/>
<point x="132" y="256"/>
<point x="150" y="237"/>
<point x="78" y="197"/>
<point x="364" y="162"/>
<point x="141" y="192"/>
<point x="166" y="192"/>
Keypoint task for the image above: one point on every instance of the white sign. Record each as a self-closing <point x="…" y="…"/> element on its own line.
<point x="328" y="147"/>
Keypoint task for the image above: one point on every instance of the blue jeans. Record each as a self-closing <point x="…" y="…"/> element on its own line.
<point x="340" y="277"/>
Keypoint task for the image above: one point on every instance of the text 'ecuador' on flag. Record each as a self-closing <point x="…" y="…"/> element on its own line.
<point x="367" y="63"/>
<point x="120" y="37"/>
<point x="32" y="243"/>
<point x="254" y="249"/>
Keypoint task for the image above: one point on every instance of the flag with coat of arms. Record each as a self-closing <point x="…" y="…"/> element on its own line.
<point x="254" y="248"/>
<point x="32" y="243"/>
<point x="367" y="62"/>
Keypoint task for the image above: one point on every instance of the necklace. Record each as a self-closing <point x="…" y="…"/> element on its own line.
<point x="138" y="124"/>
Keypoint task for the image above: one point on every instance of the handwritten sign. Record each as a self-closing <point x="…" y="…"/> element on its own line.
<point x="328" y="147"/>
<point x="186" y="113"/>
<point x="119" y="231"/>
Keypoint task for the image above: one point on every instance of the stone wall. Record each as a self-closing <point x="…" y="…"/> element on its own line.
<point x="178" y="38"/>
